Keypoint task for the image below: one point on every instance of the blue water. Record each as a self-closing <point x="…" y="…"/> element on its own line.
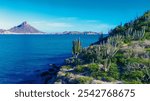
<point x="21" y="56"/>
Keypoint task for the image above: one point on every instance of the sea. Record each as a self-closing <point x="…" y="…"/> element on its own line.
<point x="23" y="57"/>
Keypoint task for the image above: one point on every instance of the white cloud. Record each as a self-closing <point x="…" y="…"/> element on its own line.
<point x="56" y="24"/>
<point x="59" y="24"/>
<point x="72" y="24"/>
<point x="53" y="24"/>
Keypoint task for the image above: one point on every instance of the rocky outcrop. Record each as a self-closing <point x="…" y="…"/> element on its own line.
<point x="49" y="76"/>
<point x="67" y="75"/>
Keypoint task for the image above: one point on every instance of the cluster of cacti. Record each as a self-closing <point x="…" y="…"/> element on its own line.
<point x="130" y="66"/>
<point x="147" y="75"/>
<point x="128" y="53"/>
<point x="131" y="34"/>
<point x="127" y="49"/>
<point x="102" y="53"/>
<point x="136" y="67"/>
<point x="112" y="47"/>
<point x="138" y="35"/>
<point x="147" y="16"/>
<point x="91" y="54"/>
<point x="76" y="49"/>
<point x="128" y="34"/>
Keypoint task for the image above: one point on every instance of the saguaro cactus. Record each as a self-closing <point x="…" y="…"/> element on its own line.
<point x="76" y="49"/>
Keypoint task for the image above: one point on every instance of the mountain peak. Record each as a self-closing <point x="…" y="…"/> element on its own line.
<point x="24" y="28"/>
<point x="24" y="23"/>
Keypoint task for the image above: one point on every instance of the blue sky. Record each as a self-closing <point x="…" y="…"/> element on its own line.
<point x="70" y="15"/>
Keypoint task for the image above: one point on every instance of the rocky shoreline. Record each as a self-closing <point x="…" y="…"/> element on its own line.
<point x="49" y="76"/>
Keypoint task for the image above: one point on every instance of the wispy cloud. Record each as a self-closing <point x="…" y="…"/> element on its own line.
<point x="73" y="24"/>
<point x="53" y="24"/>
<point x="59" y="24"/>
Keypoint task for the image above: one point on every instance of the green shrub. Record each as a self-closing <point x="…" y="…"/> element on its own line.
<point x="93" y="67"/>
<point x="66" y="67"/>
<point x="108" y="79"/>
<point x="96" y="75"/>
<point x="67" y="74"/>
<point x="148" y="49"/>
<point x="146" y="78"/>
<point x="133" y="82"/>
<point x="136" y="75"/>
<point x="84" y="80"/>
<point x="133" y="75"/>
<point x="73" y="61"/>
<point x="80" y="69"/>
<point x="113" y="71"/>
<point x="147" y="35"/>
<point x="103" y="74"/>
<point x="99" y="77"/>
<point x="139" y="60"/>
<point x="121" y="59"/>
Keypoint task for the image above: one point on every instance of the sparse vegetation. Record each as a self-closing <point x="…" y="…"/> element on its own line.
<point x="122" y="56"/>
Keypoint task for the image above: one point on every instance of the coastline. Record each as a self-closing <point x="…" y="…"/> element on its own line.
<point x="45" y="34"/>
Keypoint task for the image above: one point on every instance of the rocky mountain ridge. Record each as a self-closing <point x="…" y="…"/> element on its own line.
<point x="23" y="28"/>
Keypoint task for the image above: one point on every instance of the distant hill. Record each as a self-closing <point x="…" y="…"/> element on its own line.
<point x="23" y="28"/>
<point x="77" y="32"/>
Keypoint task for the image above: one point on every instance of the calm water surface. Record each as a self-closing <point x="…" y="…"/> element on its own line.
<point x="21" y="56"/>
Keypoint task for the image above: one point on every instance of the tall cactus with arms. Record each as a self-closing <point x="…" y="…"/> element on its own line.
<point x="76" y="49"/>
